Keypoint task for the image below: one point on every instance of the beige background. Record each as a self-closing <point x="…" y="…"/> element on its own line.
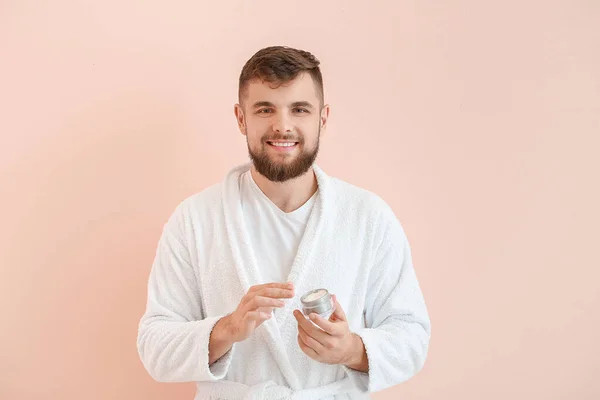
<point x="477" y="122"/>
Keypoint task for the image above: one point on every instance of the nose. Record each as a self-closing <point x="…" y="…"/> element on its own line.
<point x="282" y="123"/>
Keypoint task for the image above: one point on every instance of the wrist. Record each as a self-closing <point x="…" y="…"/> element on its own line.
<point x="357" y="357"/>
<point x="220" y="341"/>
<point x="223" y="330"/>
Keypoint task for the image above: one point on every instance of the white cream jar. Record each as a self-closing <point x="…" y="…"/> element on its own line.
<point x="317" y="301"/>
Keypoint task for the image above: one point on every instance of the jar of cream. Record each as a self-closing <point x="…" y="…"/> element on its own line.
<point x="317" y="301"/>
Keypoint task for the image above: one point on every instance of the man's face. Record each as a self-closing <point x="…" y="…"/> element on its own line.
<point x="282" y="126"/>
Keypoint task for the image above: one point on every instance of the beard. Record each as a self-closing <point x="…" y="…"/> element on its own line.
<point x="282" y="170"/>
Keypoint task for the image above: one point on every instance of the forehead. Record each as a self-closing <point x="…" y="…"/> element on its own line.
<point x="302" y="88"/>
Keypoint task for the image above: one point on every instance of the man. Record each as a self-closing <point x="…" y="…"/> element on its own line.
<point x="233" y="261"/>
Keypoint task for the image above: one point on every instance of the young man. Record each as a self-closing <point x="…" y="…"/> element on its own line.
<point x="234" y="260"/>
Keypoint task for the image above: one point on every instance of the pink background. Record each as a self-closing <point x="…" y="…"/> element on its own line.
<point x="479" y="124"/>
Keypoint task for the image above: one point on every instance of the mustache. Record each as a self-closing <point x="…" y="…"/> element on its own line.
<point x="290" y="138"/>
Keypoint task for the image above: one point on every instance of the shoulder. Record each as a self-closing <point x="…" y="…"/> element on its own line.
<point x="208" y="198"/>
<point x="360" y="207"/>
<point x="198" y="207"/>
<point x="368" y="203"/>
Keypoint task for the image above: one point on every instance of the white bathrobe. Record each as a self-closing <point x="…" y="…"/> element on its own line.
<point x="353" y="245"/>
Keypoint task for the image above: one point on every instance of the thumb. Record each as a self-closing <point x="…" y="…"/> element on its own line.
<point x="338" y="312"/>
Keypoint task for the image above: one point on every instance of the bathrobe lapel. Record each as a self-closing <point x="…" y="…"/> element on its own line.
<point x="303" y="269"/>
<point x="246" y="264"/>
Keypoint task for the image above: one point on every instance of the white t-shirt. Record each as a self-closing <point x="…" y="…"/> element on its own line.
<point x="274" y="234"/>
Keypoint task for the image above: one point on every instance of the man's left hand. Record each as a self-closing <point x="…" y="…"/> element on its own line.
<point x="335" y="344"/>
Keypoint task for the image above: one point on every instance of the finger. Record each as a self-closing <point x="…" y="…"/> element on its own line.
<point x="333" y="317"/>
<point x="328" y="326"/>
<point x="338" y="312"/>
<point x="317" y="336"/>
<point x="309" y="328"/>
<point x="276" y="293"/>
<point x="276" y="285"/>
<point x="260" y="301"/>
<point x="307" y="350"/>
<point x="257" y="316"/>
<point x="311" y="341"/>
<point x="268" y="310"/>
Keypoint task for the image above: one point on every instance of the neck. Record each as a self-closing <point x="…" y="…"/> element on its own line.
<point x="289" y="195"/>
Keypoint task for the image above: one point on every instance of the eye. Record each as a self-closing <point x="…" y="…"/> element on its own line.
<point x="301" y="110"/>
<point x="264" y="111"/>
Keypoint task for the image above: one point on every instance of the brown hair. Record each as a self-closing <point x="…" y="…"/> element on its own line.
<point x="279" y="65"/>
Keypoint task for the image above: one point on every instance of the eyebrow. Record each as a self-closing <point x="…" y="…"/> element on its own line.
<point x="294" y="104"/>
<point x="302" y="104"/>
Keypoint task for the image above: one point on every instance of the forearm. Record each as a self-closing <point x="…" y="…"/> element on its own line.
<point x="357" y="359"/>
<point x="220" y="340"/>
<point x="177" y="351"/>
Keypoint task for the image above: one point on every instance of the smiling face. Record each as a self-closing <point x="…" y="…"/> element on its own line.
<point x="282" y="123"/>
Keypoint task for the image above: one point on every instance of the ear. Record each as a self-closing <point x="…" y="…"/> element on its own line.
<point x="240" y="118"/>
<point x="323" y="118"/>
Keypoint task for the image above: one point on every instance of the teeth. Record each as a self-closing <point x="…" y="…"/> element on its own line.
<point x="289" y="144"/>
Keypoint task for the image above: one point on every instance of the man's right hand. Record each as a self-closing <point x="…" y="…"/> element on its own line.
<point x="255" y="308"/>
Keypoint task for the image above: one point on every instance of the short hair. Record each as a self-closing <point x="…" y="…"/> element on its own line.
<point x="279" y="65"/>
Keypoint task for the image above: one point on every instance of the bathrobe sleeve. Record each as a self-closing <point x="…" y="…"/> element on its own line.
<point x="173" y="333"/>
<point x="398" y="327"/>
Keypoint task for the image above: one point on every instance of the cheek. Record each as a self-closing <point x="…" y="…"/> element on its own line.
<point x="258" y="124"/>
<point x="310" y="130"/>
<point x="256" y="131"/>
<point x="254" y="142"/>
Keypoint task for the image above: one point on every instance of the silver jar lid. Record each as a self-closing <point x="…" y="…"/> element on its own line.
<point x="317" y="301"/>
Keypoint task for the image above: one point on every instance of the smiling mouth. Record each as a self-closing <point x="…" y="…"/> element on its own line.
<point x="283" y="145"/>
